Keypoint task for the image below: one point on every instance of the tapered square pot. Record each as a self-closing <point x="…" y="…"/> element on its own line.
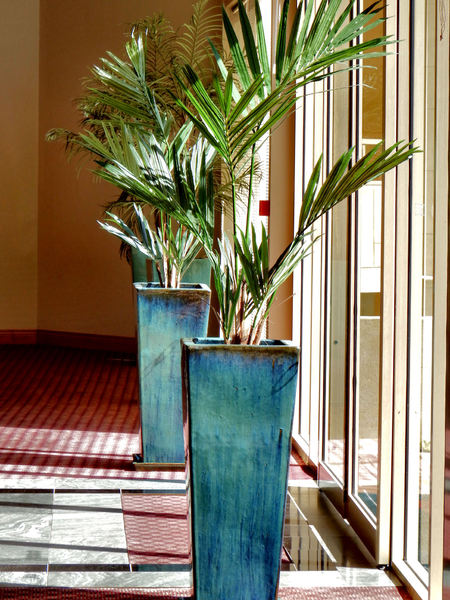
<point x="238" y="404"/>
<point x="165" y="316"/>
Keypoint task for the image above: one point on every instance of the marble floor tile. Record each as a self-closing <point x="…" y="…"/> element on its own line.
<point x="27" y="482"/>
<point x="326" y="541"/>
<point x="329" y="524"/>
<point x="22" y="578"/>
<point x="288" y="567"/>
<point x="167" y="579"/>
<point x="161" y="568"/>
<point x="85" y="567"/>
<point x="123" y="484"/>
<point x="347" y="552"/>
<point x="295" y="519"/>
<point x="306" y="579"/>
<point x="87" y="528"/>
<point x="342" y="577"/>
<point x="311" y="502"/>
<point x="23" y="553"/>
<point x="368" y="577"/>
<point x="308" y="554"/>
<point x="78" y="529"/>
<point x="87" y="501"/>
<point x="50" y="483"/>
<point x="295" y="530"/>
<point x="302" y="483"/>
<point x="25" y="526"/>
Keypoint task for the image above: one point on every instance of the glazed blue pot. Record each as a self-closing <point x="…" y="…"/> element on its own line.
<point x="165" y="316"/>
<point x="138" y="265"/>
<point x="238" y="405"/>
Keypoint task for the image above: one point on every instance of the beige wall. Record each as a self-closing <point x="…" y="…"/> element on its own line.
<point x="281" y="221"/>
<point x="58" y="270"/>
<point x="19" y="43"/>
<point x="83" y="285"/>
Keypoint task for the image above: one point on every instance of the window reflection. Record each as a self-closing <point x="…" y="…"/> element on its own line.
<point x="368" y="344"/>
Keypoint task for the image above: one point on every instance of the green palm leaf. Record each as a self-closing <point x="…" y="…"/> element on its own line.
<point x="262" y="47"/>
<point x="280" y="53"/>
<point x="143" y="114"/>
<point x="192" y="43"/>
<point x="235" y="50"/>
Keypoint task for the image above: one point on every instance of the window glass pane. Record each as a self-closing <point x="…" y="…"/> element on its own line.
<point x="421" y="306"/>
<point x="420" y="391"/>
<point x="305" y="348"/>
<point x="336" y="412"/>
<point x="368" y="287"/>
<point x="368" y="344"/>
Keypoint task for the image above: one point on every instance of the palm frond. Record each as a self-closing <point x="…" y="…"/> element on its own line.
<point x="159" y="120"/>
<point x="161" y="58"/>
<point x="342" y="181"/>
<point x="192" y="43"/>
<point x="313" y="43"/>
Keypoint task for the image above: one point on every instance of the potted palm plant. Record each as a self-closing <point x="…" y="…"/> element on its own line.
<point x="239" y="391"/>
<point x="108" y="98"/>
<point x="167" y="308"/>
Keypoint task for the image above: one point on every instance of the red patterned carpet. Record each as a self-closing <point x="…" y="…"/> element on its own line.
<point x="43" y="593"/>
<point x="68" y="412"/>
<point x="298" y="470"/>
<point x="345" y="593"/>
<point x="156" y="527"/>
<point x="359" y="593"/>
<point x="72" y="413"/>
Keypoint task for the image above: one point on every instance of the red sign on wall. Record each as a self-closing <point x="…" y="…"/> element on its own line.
<point x="264" y="208"/>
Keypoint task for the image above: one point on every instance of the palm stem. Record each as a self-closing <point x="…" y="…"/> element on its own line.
<point x="250" y="192"/>
<point x="234" y="201"/>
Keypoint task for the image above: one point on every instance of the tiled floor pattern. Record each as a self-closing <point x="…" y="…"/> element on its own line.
<point x="77" y="538"/>
<point x="64" y="593"/>
<point x="66" y="476"/>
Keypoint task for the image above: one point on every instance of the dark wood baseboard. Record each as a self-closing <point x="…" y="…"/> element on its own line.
<point x="18" y="337"/>
<point x="86" y="341"/>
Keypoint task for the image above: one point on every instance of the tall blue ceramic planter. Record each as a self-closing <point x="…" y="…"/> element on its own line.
<point x="238" y="404"/>
<point x="165" y="316"/>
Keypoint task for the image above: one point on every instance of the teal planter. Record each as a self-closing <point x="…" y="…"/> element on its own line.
<point x="198" y="272"/>
<point x="165" y="316"/>
<point x="138" y="265"/>
<point x="238" y="404"/>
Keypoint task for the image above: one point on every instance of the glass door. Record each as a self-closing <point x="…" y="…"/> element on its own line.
<point x="333" y="463"/>
<point x="333" y="466"/>
<point x="368" y="300"/>
<point x="383" y="378"/>
<point x="412" y="474"/>
<point x="351" y="437"/>
<point x="367" y="337"/>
